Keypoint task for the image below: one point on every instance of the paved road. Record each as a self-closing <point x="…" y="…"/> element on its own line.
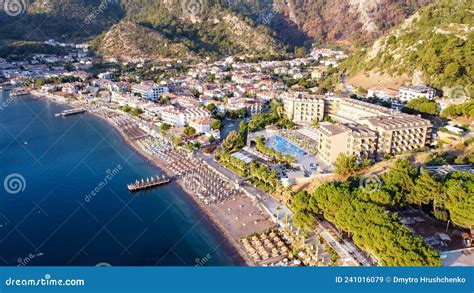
<point x="332" y="241"/>
<point x="447" y="169"/>
<point x="230" y="125"/>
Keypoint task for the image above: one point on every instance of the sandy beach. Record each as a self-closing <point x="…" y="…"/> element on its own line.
<point x="234" y="218"/>
<point x="226" y="224"/>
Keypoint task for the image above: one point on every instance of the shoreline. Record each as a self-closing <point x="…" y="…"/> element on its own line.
<point x="244" y="261"/>
<point x="238" y="254"/>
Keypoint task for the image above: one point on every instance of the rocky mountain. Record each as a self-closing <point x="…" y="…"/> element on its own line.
<point x="139" y="28"/>
<point x="59" y="19"/>
<point x="214" y="27"/>
<point x="345" y="22"/>
<point x="435" y="46"/>
<point x="128" y="40"/>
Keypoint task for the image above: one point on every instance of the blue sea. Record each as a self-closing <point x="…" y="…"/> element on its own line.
<point x="64" y="198"/>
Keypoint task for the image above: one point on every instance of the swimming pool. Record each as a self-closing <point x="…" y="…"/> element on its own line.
<point x="284" y="146"/>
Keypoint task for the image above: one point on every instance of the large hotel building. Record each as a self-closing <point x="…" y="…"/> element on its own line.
<point x="362" y="129"/>
<point x="334" y="139"/>
<point x="303" y="108"/>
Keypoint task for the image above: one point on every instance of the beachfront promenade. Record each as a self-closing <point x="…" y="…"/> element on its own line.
<point x="276" y="210"/>
<point x="349" y="252"/>
<point x="279" y="213"/>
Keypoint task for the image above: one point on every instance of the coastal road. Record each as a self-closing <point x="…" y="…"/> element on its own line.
<point x="347" y="250"/>
<point x="230" y="125"/>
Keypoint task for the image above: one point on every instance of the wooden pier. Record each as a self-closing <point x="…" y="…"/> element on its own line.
<point x="71" y="112"/>
<point x="18" y="93"/>
<point x="149" y="183"/>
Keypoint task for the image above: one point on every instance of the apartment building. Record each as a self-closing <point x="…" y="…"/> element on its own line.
<point x="364" y="130"/>
<point x="335" y="139"/>
<point x="303" y="108"/>
<point x="363" y="142"/>
<point x="202" y="125"/>
<point x="400" y="133"/>
<point x="181" y="117"/>
<point x="346" y="110"/>
<point x="397" y="133"/>
<point x="253" y="106"/>
<point x="149" y="91"/>
<point x="408" y="93"/>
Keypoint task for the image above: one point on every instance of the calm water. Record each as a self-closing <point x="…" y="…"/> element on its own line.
<point x="62" y="160"/>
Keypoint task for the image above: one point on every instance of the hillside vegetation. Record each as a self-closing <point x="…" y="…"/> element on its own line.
<point x="60" y="19"/>
<point x="369" y="213"/>
<point x="213" y="27"/>
<point x="208" y="31"/>
<point x="436" y="45"/>
<point x="129" y="40"/>
<point x="344" y="22"/>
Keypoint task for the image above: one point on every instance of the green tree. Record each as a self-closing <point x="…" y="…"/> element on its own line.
<point x="211" y="107"/>
<point x="460" y="198"/>
<point x="300" y="52"/>
<point x="462" y="110"/>
<point x="212" y="139"/>
<point x="136" y="112"/>
<point x="422" y="105"/>
<point x="303" y="220"/>
<point x="362" y="91"/>
<point x="232" y="142"/>
<point x="425" y="189"/>
<point x="216" y="125"/>
<point x="346" y="165"/>
<point x="300" y="201"/>
<point x="189" y="131"/>
<point x="164" y="127"/>
<point x="372" y="227"/>
<point x="400" y="180"/>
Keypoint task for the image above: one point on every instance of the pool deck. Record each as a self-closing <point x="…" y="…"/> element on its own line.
<point x="304" y="160"/>
<point x="289" y="148"/>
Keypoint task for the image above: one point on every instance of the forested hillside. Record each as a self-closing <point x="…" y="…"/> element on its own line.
<point x="214" y="27"/>
<point x="437" y="44"/>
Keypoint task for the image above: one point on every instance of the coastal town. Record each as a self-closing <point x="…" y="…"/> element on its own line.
<point x="253" y="142"/>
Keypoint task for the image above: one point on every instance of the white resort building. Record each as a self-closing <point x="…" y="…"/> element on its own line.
<point x="181" y="117"/>
<point x="149" y="91"/>
<point x="408" y="93"/>
<point x="303" y="108"/>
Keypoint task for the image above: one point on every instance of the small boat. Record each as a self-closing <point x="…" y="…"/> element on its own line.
<point x="25" y="142"/>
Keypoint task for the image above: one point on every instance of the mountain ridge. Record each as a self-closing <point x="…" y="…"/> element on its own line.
<point x="271" y="25"/>
<point x="435" y="46"/>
